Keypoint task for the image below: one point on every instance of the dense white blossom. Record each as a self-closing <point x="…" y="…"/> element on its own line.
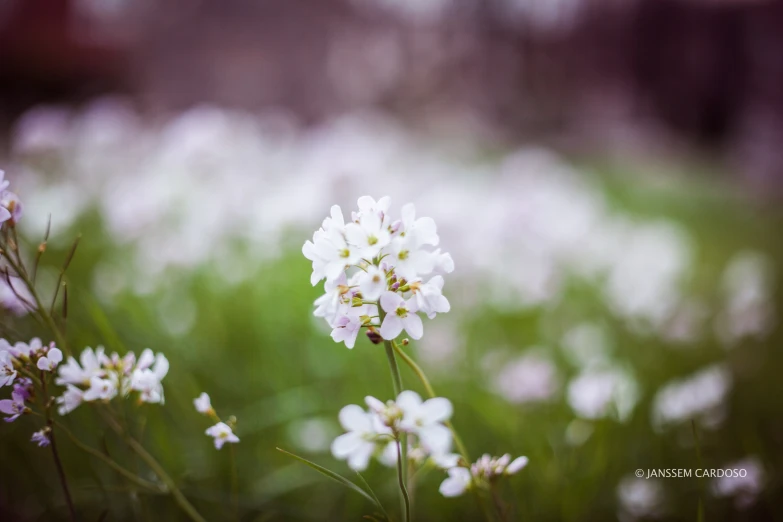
<point x="376" y="267"/>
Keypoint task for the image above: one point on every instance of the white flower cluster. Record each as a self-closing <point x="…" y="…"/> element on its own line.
<point x="374" y="261"/>
<point x="101" y="377"/>
<point x="221" y="431"/>
<point x="25" y="358"/>
<point x="480" y="474"/>
<point x="375" y="431"/>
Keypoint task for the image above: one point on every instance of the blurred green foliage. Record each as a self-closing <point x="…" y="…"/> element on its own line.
<point x="255" y="348"/>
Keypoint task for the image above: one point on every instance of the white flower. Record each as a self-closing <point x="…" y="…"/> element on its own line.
<point x="335" y="299"/>
<point x="369" y="235"/>
<point x="203" y="404"/>
<point x="7" y="370"/>
<point x="329" y="251"/>
<point x="458" y="482"/>
<point x="368" y="205"/>
<point x="516" y="465"/>
<point x="73" y="373"/>
<point x="346" y="329"/>
<point x="222" y="433"/>
<point x="422" y="230"/>
<point x="425" y="419"/>
<point x="429" y="297"/>
<point x="50" y="361"/>
<point x="372" y="283"/>
<point x="409" y="262"/>
<point x="400" y="314"/>
<point x="69" y="400"/>
<point x="147" y="377"/>
<point x="364" y="432"/>
<point x="378" y="260"/>
<point x="101" y="389"/>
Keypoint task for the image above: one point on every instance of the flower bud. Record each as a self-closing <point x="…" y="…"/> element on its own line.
<point x="374" y="336"/>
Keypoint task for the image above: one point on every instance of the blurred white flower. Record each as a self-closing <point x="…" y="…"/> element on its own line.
<point x="529" y="378"/>
<point x="698" y="396"/>
<point x="639" y="498"/>
<point x="458" y="482"/>
<point x="203" y="404"/>
<point x="425" y="420"/>
<point x="147" y="376"/>
<point x="597" y="393"/>
<point x="73" y="373"/>
<point x="7" y="370"/>
<point x="50" y="361"/>
<point x="747" y="286"/>
<point x="222" y="434"/>
<point x="71" y="398"/>
<point x="743" y="480"/>
<point x="364" y="434"/>
<point x="101" y="389"/>
<point x="102" y="377"/>
<point x="484" y="471"/>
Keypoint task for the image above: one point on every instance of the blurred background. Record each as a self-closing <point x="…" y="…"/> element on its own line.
<point x="607" y="176"/>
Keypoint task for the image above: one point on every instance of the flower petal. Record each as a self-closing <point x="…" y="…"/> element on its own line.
<point x="438" y="409"/>
<point x="391" y="301"/>
<point x="436" y="438"/>
<point x="516" y="465"/>
<point x="413" y="326"/>
<point x="391" y="327"/>
<point x="354" y="418"/>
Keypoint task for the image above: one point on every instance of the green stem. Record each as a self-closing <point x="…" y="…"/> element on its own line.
<point x="110" y="462"/>
<point x="58" y="464"/>
<point x="148" y="459"/>
<point x="402" y="446"/>
<point x="431" y="392"/>
<point x="179" y="497"/>
<point x="401" y="480"/>
<point x="42" y="313"/>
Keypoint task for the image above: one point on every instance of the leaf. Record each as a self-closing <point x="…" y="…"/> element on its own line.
<point x="334" y="476"/>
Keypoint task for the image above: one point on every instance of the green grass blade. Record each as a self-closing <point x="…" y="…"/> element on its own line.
<point x="334" y="476"/>
<point x="377" y="502"/>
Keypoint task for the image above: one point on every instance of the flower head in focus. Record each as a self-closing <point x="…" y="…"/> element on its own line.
<point x="375" y="270"/>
